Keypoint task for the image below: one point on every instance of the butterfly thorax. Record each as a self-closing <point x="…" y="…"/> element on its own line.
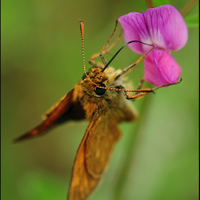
<point x="110" y="101"/>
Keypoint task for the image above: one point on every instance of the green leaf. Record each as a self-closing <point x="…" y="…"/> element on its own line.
<point x="192" y="20"/>
<point x="160" y="2"/>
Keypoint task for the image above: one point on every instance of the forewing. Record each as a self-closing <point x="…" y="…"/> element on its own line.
<point x="92" y="156"/>
<point x="66" y="109"/>
<point x="51" y="110"/>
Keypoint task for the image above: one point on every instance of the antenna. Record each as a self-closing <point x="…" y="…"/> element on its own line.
<point x="82" y="44"/>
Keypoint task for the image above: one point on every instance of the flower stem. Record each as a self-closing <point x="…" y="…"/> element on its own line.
<point x="149" y="3"/>
<point x="188" y="7"/>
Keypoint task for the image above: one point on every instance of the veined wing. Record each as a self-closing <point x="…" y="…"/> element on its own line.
<point x="66" y="109"/>
<point x="93" y="154"/>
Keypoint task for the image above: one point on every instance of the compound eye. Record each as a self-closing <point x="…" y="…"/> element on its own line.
<point x="100" y="91"/>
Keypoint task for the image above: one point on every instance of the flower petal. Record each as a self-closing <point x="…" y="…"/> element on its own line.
<point x="134" y="28"/>
<point x="167" y="27"/>
<point x="162" y="26"/>
<point x="161" y="68"/>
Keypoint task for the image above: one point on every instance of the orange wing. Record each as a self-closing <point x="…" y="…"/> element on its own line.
<point x="92" y="156"/>
<point x="64" y="110"/>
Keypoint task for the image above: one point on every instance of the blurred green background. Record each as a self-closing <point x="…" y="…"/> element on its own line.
<point x="42" y="61"/>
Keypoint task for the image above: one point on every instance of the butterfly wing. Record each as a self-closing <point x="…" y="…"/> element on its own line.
<point x="93" y="155"/>
<point x="66" y="109"/>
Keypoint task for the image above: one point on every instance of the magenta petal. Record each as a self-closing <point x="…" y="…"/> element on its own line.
<point x="161" y="68"/>
<point x="162" y="26"/>
<point x="134" y="28"/>
<point x="167" y="27"/>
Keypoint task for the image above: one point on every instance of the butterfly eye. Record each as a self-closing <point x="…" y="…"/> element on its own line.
<point x="100" y="91"/>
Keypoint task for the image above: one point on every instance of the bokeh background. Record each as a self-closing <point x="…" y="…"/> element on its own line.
<point x="157" y="157"/>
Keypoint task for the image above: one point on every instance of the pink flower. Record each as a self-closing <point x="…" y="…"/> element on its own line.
<point x="163" y="27"/>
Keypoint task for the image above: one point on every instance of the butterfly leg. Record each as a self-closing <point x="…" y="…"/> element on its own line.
<point x="140" y="84"/>
<point x="142" y="92"/>
<point x="105" y="48"/>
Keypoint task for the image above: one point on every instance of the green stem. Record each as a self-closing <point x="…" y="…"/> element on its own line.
<point x="149" y="3"/>
<point x="188" y="7"/>
<point x="130" y="146"/>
